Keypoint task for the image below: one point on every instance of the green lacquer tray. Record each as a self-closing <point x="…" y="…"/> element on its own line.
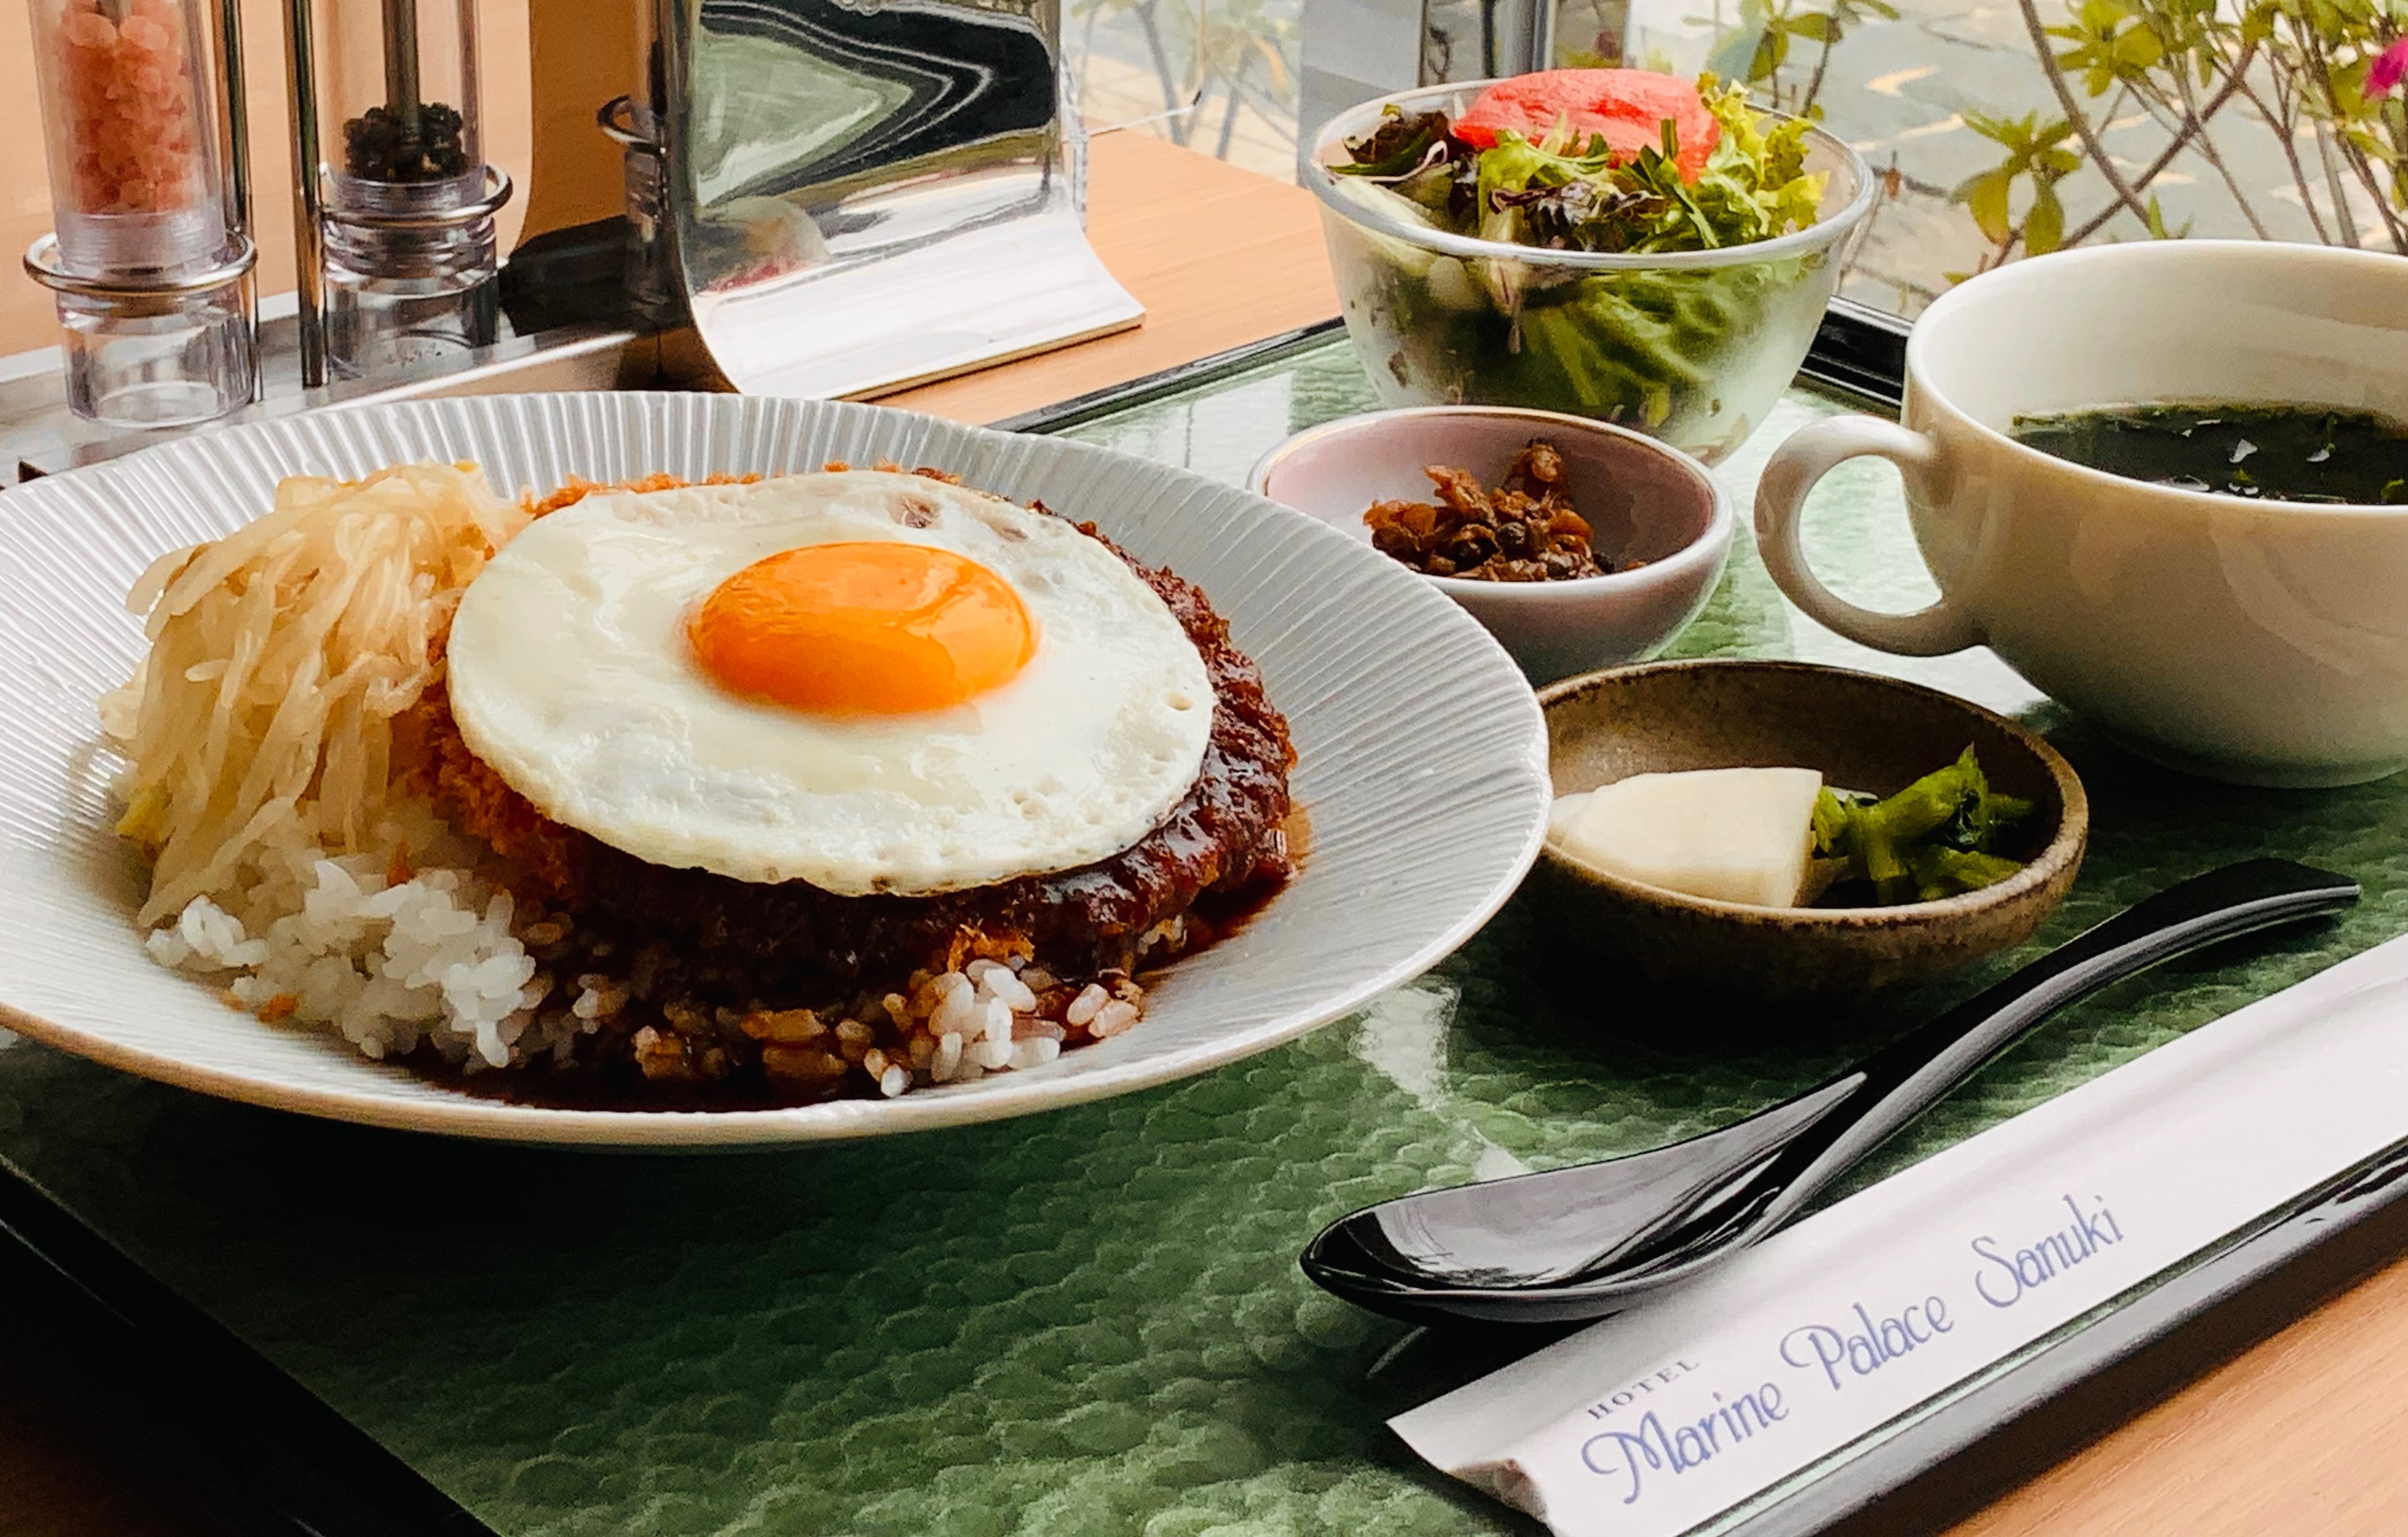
<point x="1089" y="1321"/>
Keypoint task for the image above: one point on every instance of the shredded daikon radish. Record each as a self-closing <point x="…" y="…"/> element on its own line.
<point x="279" y="657"/>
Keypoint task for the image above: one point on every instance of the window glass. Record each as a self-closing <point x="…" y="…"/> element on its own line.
<point x="2001" y="127"/>
<point x="1217" y="76"/>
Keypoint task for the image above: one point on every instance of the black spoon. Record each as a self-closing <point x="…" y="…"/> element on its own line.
<point x="1581" y="1243"/>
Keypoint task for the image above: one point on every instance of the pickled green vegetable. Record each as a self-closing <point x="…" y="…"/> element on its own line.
<point x="1942" y="835"/>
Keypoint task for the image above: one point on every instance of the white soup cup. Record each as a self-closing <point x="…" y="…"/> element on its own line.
<point x="2257" y="641"/>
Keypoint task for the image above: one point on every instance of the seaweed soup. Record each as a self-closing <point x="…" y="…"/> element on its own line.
<point x="2273" y="453"/>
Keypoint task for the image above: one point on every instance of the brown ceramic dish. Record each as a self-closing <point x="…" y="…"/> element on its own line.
<point x="1863" y="733"/>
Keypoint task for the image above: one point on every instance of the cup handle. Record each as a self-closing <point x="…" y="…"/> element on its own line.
<point x="1811" y="454"/>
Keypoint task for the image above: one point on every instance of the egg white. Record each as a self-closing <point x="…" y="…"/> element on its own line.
<point x="572" y="676"/>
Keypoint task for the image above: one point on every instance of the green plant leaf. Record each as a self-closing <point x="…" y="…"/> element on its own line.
<point x="2015" y="132"/>
<point x="1815" y="26"/>
<point x="1771" y="50"/>
<point x="2139" y="49"/>
<point x="2345" y="87"/>
<point x="1986" y="198"/>
<point x="2044" y="225"/>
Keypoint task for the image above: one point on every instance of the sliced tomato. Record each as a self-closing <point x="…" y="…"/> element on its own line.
<point x="1629" y="107"/>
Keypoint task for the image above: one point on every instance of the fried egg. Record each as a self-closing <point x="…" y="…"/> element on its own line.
<point x="869" y="682"/>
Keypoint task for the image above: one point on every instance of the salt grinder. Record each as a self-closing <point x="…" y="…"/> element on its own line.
<point x="149" y="257"/>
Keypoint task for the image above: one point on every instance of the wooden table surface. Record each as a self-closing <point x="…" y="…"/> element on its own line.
<point x="2307" y="1433"/>
<point x="1218" y="256"/>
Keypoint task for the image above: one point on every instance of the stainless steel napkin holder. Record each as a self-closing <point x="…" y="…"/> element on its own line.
<point x="857" y="194"/>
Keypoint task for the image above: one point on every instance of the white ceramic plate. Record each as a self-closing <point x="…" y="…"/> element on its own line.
<point x="1421" y="753"/>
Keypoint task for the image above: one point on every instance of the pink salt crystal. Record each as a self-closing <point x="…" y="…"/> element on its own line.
<point x="87" y="29"/>
<point x="129" y="107"/>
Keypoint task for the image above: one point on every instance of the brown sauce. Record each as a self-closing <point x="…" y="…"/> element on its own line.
<point x="1227" y="911"/>
<point x="1237" y="826"/>
<point x="617" y="1088"/>
<point x="791" y="939"/>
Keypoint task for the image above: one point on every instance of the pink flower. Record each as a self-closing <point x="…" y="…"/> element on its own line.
<point x="2390" y="68"/>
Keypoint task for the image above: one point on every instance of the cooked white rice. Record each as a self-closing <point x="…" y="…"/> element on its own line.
<point x="334" y="941"/>
<point x="444" y="957"/>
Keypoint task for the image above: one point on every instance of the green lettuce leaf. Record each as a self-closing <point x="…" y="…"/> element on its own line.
<point x="1562" y="196"/>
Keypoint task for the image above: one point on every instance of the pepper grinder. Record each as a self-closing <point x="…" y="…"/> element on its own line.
<point x="149" y="257"/>
<point x="393" y="216"/>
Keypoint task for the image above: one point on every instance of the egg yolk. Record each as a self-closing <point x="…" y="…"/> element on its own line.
<point x="876" y="628"/>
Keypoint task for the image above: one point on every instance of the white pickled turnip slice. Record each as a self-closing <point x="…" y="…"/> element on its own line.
<point x="1563" y="813"/>
<point x="1733" y="835"/>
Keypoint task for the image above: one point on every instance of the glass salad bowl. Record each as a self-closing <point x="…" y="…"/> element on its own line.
<point x="1690" y="347"/>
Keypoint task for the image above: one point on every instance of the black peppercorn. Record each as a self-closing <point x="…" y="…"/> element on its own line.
<point x="382" y="145"/>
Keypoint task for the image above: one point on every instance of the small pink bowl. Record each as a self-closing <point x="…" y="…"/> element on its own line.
<point x="1646" y="501"/>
